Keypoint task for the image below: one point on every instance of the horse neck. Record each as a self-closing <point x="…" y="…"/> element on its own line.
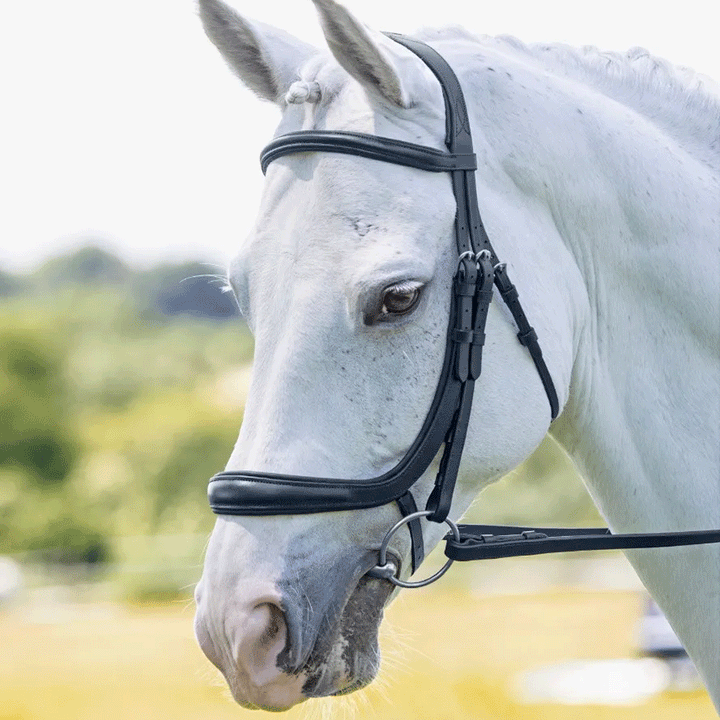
<point x="645" y="410"/>
<point x="613" y="233"/>
<point x="637" y="215"/>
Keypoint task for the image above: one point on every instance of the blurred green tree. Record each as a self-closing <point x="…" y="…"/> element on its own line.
<point x="38" y="451"/>
<point x="193" y="458"/>
<point x="88" y="265"/>
<point x="33" y="429"/>
<point x="10" y="284"/>
<point x="112" y="402"/>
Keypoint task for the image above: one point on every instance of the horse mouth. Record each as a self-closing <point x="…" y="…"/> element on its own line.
<point x="346" y="655"/>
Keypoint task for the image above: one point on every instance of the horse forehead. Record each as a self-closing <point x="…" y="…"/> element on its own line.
<point x="352" y="218"/>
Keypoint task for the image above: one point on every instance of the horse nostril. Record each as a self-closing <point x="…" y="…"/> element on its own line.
<point x="265" y="637"/>
<point x="274" y="622"/>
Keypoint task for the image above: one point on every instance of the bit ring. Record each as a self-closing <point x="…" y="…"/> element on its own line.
<point x="387" y="570"/>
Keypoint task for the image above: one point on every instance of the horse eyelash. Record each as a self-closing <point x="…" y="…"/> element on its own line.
<point x="222" y="281"/>
<point x="405" y="285"/>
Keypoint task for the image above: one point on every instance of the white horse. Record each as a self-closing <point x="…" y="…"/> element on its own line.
<point x="598" y="182"/>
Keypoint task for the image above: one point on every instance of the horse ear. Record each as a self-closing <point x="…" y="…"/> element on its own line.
<point x="370" y="57"/>
<point x="265" y="58"/>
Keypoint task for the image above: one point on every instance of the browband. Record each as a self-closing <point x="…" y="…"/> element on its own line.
<point x="374" y="147"/>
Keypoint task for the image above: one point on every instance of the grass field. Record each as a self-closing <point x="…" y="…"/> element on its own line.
<point x="448" y="656"/>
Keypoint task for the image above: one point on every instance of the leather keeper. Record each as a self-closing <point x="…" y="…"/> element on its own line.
<point x="464" y="337"/>
<point x="509" y="293"/>
<point x="527" y="337"/>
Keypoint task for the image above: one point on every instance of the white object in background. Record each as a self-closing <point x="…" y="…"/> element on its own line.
<point x="10" y="579"/>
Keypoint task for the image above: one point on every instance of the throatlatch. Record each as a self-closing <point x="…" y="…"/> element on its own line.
<point x="445" y="426"/>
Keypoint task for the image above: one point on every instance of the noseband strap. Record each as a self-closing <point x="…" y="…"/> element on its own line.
<point x="445" y="426"/>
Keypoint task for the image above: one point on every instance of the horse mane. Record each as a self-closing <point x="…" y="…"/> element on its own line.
<point x="683" y="103"/>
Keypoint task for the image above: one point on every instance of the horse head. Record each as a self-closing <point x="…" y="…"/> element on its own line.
<point x="345" y="282"/>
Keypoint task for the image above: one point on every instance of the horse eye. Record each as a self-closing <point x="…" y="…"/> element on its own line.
<point x="400" y="299"/>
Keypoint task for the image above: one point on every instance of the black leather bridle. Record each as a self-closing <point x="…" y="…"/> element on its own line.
<point x="445" y="426"/>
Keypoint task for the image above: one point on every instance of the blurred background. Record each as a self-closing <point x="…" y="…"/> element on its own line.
<point x="128" y="177"/>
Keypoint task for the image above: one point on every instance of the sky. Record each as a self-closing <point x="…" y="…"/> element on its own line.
<point x="121" y="125"/>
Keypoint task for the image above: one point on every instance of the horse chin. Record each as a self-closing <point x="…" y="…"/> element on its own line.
<point x="346" y="654"/>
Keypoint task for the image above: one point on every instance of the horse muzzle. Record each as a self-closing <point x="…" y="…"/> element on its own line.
<point x="312" y="635"/>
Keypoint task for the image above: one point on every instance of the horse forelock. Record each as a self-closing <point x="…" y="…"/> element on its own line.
<point x="326" y="97"/>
